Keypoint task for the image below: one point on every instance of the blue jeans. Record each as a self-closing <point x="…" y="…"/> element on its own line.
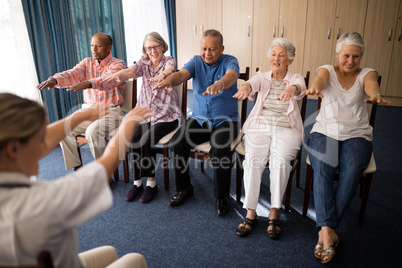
<point x="326" y="155"/>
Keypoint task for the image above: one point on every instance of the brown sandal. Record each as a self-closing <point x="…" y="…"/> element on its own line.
<point x="329" y="252"/>
<point x="244" y="228"/>
<point x="318" y="250"/>
<point x="275" y="231"/>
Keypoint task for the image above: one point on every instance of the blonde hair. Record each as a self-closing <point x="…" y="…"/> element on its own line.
<point x="20" y="118"/>
<point x="156" y="37"/>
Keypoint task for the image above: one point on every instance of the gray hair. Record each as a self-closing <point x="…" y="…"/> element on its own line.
<point x="20" y="118"/>
<point x="351" y="38"/>
<point x="156" y="37"/>
<point x="214" y="33"/>
<point x="286" y="44"/>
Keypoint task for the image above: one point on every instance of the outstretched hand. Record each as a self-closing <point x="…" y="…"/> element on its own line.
<point x="378" y="99"/>
<point x="49" y="84"/>
<point x="242" y="94"/>
<point x="312" y="91"/>
<point x="80" y="86"/>
<point x="158" y="78"/>
<point x="288" y="93"/>
<point x="214" y="89"/>
<point x="164" y="84"/>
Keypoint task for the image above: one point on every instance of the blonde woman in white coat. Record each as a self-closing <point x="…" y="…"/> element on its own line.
<point x="273" y="132"/>
<point x="45" y="215"/>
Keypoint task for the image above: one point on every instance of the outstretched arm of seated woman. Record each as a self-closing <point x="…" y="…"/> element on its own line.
<point x="319" y="84"/>
<point x="244" y="91"/>
<point x="372" y="89"/>
<point x="122" y="75"/>
<point x="168" y="71"/>
<point x="56" y="131"/>
<point x="116" y="148"/>
<point x="173" y="80"/>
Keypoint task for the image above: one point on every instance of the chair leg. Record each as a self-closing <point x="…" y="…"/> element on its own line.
<point x="125" y="169"/>
<point x="366" y="189"/>
<point x="165" y="156"/>
<point x="116" y="174"/>
<point x="239" y="176"/>
<point x="289" y="186"/>
<point x="229" y="181"/>
<point x="202" y="165"/>
<point x="298" y="170"/>
<point x="307" y="188"/>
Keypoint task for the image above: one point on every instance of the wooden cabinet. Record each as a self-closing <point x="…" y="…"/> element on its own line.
<point x="237" y="26"/>
<point x="378" y="36"/>
<point x="327" y="20"/>
<point x="193" y="17"/>
<point x="394" y="85"/>
<point x="313" y="26"/>
<point x="278" y="18"/>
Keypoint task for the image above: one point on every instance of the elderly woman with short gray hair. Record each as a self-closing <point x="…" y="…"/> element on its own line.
<point x="340" y="139"/>
<point x="273" y="131"/>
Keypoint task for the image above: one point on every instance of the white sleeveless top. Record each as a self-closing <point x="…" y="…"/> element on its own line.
<point x="343" y="114"/>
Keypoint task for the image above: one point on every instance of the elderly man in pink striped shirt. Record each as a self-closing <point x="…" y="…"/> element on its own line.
<point x="89" y="75"/>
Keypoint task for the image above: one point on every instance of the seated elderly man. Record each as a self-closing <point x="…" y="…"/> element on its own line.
<point x="89" y="75"/>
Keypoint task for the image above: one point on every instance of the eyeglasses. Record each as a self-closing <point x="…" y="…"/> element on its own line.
<point x="149" y="49"/>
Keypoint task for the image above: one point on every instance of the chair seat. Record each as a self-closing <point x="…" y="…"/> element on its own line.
<point x="167" y="137"/>
<point x="241" y="149"/>
<point x="371" y="168"/>
<point x="203" y="147"/>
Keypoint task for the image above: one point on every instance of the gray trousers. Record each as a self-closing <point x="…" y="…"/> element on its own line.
<point x="95" y="132"/>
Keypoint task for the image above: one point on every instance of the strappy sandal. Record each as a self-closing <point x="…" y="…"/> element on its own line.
<point x="329" y="252"/>
<point x="244" y="228"/>
<point x="318" y="250"/>
<point x="275" y="231"/>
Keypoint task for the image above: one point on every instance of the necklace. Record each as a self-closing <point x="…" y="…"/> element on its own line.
<point x="273" y="81"/>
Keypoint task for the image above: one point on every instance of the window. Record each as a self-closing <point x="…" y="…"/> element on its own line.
<point x="18" y="66"/>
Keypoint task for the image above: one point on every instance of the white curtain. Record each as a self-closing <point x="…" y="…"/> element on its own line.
<point x="18" y="73"/>
<point x="142" y="17"/>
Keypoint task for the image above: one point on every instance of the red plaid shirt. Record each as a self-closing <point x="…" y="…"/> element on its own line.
<point x="91" y="70"/>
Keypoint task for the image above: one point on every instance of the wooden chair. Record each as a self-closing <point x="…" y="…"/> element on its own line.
<point x="130" y="98"/>
<point x="240" y="153"/>
<point x="43" y="260"/>
<point x="201" y="151"/>
<point x="365" y="180"/>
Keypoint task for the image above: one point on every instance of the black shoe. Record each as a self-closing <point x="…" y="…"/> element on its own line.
<point x="179" y="198"/>
<point x="77" y="167"/>
<point x="221" y="206"/>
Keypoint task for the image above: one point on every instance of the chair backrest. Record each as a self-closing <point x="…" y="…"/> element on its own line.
<point x="242" y="104"/>
<point x="130" y="95"/>
<point x="182" y="100"/>
<point x="371" y="107"/>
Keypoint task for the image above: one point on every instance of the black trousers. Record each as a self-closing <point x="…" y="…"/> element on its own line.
<point x="145" y="137"/>
<point x="192" y="134"/>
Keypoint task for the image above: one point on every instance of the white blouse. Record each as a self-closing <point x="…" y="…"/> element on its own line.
<point x="343" y="113"/>
<point x="45" y="214"/>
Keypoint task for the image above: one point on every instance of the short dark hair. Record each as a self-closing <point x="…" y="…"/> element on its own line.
<point x="214" y="33"/>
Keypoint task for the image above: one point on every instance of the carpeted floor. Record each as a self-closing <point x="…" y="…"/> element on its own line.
<point x="193" y="236"/>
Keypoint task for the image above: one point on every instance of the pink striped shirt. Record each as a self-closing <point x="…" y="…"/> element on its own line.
<point x="91" y="70"/>
<point x="162" y="102"/>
